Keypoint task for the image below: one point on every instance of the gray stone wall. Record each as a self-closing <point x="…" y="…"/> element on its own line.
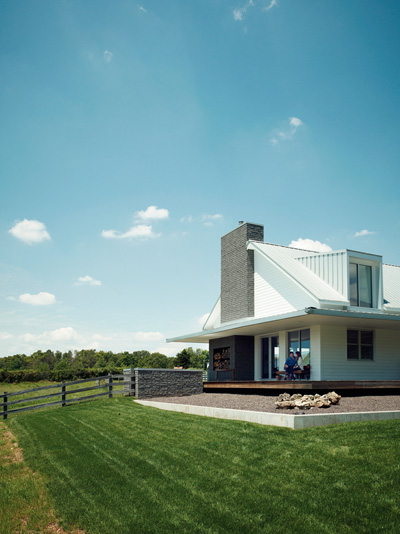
<point x="166" y="382"/>
<point x="237" y="272"/>
<point x="241" y="358"/>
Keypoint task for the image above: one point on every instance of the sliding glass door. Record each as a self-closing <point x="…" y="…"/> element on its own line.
<point x="269" y="356"/>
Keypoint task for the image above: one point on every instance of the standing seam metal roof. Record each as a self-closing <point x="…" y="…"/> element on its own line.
<point x="286" y="259"/>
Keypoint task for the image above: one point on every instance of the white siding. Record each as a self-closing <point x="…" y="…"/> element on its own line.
<point x="336" y="366"/>
<point x="274" y="292"/>
<point x="285" y="259"/>
<point x="214" y="319"/>
<point x="331" y="268"/>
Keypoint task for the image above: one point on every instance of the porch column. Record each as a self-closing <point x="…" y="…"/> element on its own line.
<point x="283" y="349"/>
<point x="257" y="358"/>
<point x="315" y="351"/>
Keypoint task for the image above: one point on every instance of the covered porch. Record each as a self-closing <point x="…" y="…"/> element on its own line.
<point x="349" y="349"/>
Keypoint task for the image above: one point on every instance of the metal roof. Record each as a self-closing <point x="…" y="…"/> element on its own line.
<point x="285" y="258"/>
<point x="391" y="286"/>
<point x="296" y="320"/>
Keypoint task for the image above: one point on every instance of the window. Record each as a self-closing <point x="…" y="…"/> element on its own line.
<point x="300" y="340"/>
<point x="360" y="345"/>
<point x="360" y="281"/>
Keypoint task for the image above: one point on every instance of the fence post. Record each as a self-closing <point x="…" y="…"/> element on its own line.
<point x="63" y="393"/>
<point x="5" y="405"/>
<point x="110" y="385"/>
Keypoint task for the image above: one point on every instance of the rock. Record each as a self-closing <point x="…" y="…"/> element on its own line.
<point x="307" y="401"/>
<point x="285" y="404"/>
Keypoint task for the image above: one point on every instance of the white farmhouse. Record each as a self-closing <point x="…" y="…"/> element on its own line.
<point x="340" y="309"/>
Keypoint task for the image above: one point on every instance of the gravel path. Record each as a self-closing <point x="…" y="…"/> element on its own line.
<point x="261" y="403"/>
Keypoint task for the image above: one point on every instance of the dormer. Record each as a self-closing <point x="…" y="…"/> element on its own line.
<point x="364" y="280"/>
<point x="357" y="276"/>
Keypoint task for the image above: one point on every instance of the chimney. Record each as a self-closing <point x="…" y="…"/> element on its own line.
<point x="237" y="271"/>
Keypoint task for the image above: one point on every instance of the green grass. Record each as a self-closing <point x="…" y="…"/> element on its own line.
<point x="111" y="466"/>
<point x="25" y="503"/>
<point x="11" y="388"/>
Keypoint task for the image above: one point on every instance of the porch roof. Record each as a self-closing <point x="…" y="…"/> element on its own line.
<point x="295" y="320"/>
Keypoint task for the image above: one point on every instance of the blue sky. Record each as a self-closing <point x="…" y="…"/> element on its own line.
<point x="135" y="134"/>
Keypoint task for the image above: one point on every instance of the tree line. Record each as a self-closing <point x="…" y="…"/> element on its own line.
<point x="57" y="365"/>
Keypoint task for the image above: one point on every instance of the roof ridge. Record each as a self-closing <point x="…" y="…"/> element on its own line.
<point x="287" y="246"/>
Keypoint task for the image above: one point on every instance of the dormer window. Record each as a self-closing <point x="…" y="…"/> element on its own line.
<point x="360" y="282"/>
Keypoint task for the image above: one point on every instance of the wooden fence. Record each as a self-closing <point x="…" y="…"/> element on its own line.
<point x="111" y="382"/>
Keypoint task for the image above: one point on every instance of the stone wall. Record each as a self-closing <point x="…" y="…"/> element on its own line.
<point x="166" y="382"/>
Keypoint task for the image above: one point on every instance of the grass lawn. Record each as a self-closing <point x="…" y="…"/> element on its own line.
<point x="114" y="467"/>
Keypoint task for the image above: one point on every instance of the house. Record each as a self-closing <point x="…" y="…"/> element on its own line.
<point x="341" y="309"/>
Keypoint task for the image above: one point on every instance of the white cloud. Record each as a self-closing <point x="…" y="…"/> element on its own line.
<point x="87" y="280"/>
<point x="272" y="4"/>
<point x="66" y="333"/>
<point x="187" y="219"/>
<point x="239" y="12"/>
<point x="11" y="298"/>
<point x="5" y="335"/>
<point x="170" y="349"/>
<point x="107" y="55"/>
<point x="309" y="244"/>
<point x="41" y="299"/>
<point x="294" y="121"/>
<point x="288" y="132"/>
<point x="363" y="233"/>
<point x="208" y="220"/>
<point x="147" y="336"/>
<point x="30" y="231"/>
<point x="142" y="9"/>
<point x="152" y="213"/>
<point x="207" y="217"/>
<point x="99" y="337"/>
<point x="144" y="231"/>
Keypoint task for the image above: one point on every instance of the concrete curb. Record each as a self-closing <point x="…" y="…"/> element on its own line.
<point x="295" y="422"/>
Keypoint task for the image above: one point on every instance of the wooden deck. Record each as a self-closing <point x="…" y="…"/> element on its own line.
<point x="253" y="386"/>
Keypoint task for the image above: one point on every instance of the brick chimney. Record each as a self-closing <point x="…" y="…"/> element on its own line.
<point x="237" y="272"/>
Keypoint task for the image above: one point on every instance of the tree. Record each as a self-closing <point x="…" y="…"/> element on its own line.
<point x="156" y="360"/>
<point x="195" y="359"/>
<point x="85" y="358"/>
<point x="182" y="359"/>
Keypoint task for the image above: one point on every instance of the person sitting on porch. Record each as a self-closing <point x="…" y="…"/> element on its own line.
<point x="299" y="364"/>
<point x="299" y="360"/>
<point x="289" y="365"/>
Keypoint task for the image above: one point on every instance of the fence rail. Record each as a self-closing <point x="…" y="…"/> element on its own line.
<point x="110" y="382"/>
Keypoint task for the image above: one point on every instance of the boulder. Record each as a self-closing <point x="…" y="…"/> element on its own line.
<point x="285" y="400"/>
